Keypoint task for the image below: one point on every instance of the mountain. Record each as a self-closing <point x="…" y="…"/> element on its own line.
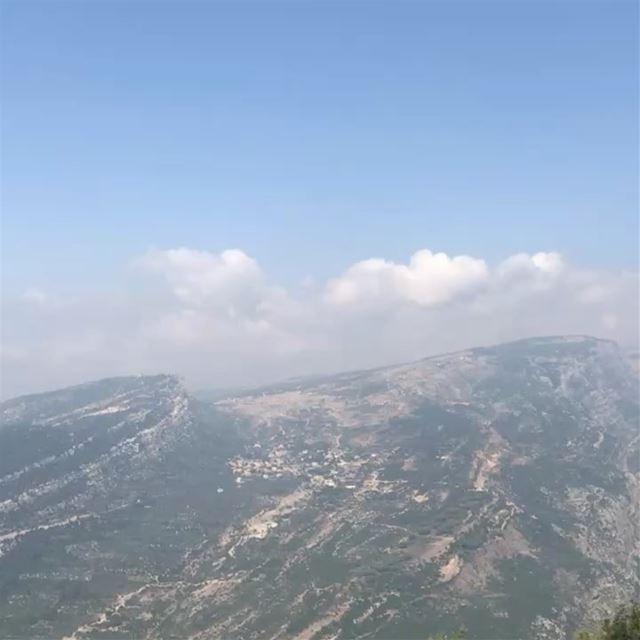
<point x="496" y="488"/>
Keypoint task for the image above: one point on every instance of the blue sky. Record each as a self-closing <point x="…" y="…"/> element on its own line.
<point x="315" y="134"/>
<point x="417" y="176"/>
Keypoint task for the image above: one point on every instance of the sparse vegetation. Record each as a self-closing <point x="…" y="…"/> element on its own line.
<point x="164" y="517"/>
<point x="623" y="625"/>
<point x="461" y="634"/>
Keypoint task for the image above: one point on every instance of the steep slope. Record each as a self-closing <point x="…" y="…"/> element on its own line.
<point x="496" y="488"/>
<point x="102" y="488"/>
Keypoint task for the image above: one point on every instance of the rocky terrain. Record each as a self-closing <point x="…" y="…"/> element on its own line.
<point x="496" y="488"/>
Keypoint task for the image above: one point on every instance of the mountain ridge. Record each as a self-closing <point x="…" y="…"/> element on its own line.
<point x="198" y="393"/>
<point x="495" y="487"/>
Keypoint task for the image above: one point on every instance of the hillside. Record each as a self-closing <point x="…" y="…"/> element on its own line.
<point x="496" y="488"/>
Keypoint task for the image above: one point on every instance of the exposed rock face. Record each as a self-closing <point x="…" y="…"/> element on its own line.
<point x="496" y="488"/>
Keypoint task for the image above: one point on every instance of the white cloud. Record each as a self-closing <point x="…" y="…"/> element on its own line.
<point x="230" y="280"/>
<point x="538" y="271"/>
<point x="429" y="279"/>
<point x="217" y="298"/>
<point x="218" y="320"/>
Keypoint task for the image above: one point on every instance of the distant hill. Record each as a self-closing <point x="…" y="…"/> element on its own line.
<point x="496" y="489"/>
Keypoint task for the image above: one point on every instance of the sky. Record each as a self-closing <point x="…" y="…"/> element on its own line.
<point x="244" y="191"/>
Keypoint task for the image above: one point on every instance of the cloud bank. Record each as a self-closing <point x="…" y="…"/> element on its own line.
<point x="218" y="319"/>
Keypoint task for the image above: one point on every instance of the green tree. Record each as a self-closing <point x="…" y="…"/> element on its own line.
<point x="624" y="625"/>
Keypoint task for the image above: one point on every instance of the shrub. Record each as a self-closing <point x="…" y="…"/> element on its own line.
<point x="624" y="625"/>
